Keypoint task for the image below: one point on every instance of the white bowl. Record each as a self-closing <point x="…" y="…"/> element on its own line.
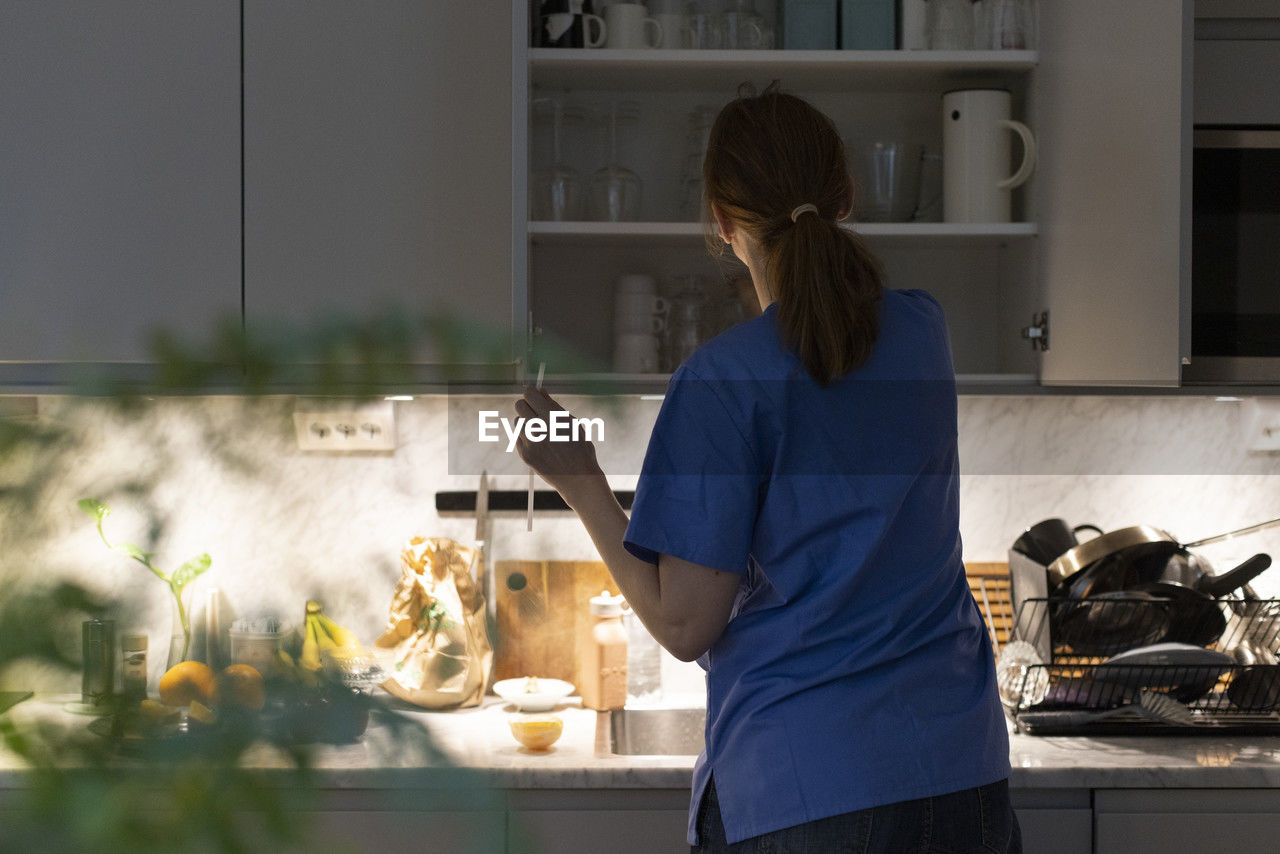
<point x="543" y="697"/>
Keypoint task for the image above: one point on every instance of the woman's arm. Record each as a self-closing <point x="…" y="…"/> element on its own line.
<point x="685" y="606"/>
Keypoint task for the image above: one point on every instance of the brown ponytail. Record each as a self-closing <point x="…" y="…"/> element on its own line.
<point x="768" y="155"/>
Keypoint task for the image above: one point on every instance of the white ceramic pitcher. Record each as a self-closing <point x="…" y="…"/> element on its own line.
<point x="975" y="154"/>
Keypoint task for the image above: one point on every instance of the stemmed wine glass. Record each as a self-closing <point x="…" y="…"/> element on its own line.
<point x="615" y="190"/>
<point x="557" y="194"/>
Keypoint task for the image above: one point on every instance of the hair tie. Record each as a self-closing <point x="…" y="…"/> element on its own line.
<point x="802" y="209"/>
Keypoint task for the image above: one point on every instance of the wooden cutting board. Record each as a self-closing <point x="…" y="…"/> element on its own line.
<point x="989" y="583"/>
<point x="542" y="610"/>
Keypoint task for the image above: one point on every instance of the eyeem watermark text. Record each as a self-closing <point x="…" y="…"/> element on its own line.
<point x="562" y="427"/>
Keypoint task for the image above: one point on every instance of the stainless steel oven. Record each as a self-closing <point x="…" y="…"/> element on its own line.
<point x="1235" y="219"/>
<point x="1235" y="255"/>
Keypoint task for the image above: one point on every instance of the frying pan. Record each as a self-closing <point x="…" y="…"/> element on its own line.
<point x="1103" y="622"/>
<point x="1110" y="622"/>
<point x="1182" y="572"/>
<point x="1140" y="540"/>
<point x="1143" y="563"/>
<point x="1195" y="617"/>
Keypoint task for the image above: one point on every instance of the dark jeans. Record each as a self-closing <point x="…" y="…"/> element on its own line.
<point x="974" y="821"/>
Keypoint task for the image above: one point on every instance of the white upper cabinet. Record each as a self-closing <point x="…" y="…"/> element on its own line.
<point x="119" y="176"/>
<point x="378" y="163"/>
<point x="1114" y="116"/>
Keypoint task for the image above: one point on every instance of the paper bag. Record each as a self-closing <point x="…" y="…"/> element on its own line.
<point x="437" y="627"/>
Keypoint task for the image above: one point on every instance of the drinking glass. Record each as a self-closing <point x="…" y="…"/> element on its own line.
<point x="557" y="188"/>
<point x="686" y="321"/>
<point x="673" y="15"/>
<point x="706" y="30"/>
<point x="949" y="24"/>
<point x="696" y="137"/>
<point x="886" y="179"/>
<point x="615" y="190"/>
<point x="1012" y="24"/>
<point x="929" y="205"/>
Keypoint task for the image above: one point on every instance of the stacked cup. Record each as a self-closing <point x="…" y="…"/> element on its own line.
<point x="639" y="316"/>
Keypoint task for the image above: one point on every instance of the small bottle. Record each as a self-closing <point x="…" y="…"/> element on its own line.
<point x="603" y="683"/>
<point x="98" y="682"/>
<point x="134" y="673"/>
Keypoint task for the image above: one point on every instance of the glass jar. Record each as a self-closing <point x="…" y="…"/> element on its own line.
<point x="687" y="325"/>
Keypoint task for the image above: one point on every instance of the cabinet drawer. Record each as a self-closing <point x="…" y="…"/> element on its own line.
<point x="592" y="831"/>
<point x="1056" y="831"/>
<point x="1229" y="821"/>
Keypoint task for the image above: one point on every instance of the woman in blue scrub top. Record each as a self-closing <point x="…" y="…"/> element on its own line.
<point x="796" y="531"/>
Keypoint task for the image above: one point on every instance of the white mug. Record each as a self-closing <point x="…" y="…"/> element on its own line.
<point x="975" y="155"/>
<point x="626" y="304"/>
<point x="742" y="31"/>
<point x="635" y="353"/>
<point x="636" y="283"/>
<point x="649" y="324"/>
<point x="625" y="27"/>
<point x="706" y="31"/>
<point x="676" y="33"/>
<point x="601" y="30"/>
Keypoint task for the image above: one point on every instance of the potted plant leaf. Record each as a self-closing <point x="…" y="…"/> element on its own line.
<point x="177" y="581"/>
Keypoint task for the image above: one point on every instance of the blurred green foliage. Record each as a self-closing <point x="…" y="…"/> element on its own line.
<point x="111" y="789"/>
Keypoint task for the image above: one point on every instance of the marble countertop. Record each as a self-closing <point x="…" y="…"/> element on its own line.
<point x="477" y="743"/>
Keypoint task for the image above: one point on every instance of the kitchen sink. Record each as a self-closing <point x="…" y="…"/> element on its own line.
<point x="660" y="732"/>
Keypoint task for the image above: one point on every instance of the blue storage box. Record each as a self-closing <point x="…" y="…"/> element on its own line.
<point x="867" y="25"/>
<point x="808" y="24"/>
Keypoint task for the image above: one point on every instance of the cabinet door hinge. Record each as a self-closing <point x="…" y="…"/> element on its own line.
<point x="1038" y="332"/>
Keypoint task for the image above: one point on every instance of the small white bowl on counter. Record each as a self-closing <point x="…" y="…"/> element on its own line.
<point x="533" y="694"/>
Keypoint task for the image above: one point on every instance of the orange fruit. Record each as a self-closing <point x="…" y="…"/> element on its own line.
<point x="241" y="685"/>
<point x="202" y="713"/>
<point x="157" y="712"/>
<point x="187" y="681"/>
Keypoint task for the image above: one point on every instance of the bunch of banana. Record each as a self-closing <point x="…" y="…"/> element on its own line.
<point x="321" y="634"/>
<point x="293" y="674"/>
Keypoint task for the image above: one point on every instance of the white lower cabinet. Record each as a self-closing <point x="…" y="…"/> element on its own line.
<point x="380" y="832"/>
<point x="1206" y="821"/>
<point x="620" y="821"/>
<point x="653" y="821"/>
<point x="1054" y="821"/>
<point x="468" y="819"/>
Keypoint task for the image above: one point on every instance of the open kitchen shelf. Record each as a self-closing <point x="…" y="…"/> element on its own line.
<point x="809" y="70"/>
<point x="1083" y="666"/>
<point x="983" y="274"/>
<point x="544" y="232"/>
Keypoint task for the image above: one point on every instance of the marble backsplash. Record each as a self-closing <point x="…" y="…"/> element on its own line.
<point x="224" y="475"/>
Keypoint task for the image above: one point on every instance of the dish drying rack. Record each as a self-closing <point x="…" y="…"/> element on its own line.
<point x="1058" y="673"/>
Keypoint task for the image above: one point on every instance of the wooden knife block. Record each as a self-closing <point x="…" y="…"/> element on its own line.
<point x="542" y="612"/>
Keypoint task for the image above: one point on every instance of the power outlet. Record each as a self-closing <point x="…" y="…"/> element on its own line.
<point x="1261" y="419"/>
<point x="345" y="426"/>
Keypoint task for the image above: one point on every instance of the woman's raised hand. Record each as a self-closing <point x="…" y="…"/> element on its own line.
<point x="562" y="455"/>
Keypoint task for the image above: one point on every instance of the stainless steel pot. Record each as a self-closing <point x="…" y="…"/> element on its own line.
<point x="1144" y="539"/>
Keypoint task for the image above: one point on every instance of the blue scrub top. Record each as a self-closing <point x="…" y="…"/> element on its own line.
<point x="855" y="669"/>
